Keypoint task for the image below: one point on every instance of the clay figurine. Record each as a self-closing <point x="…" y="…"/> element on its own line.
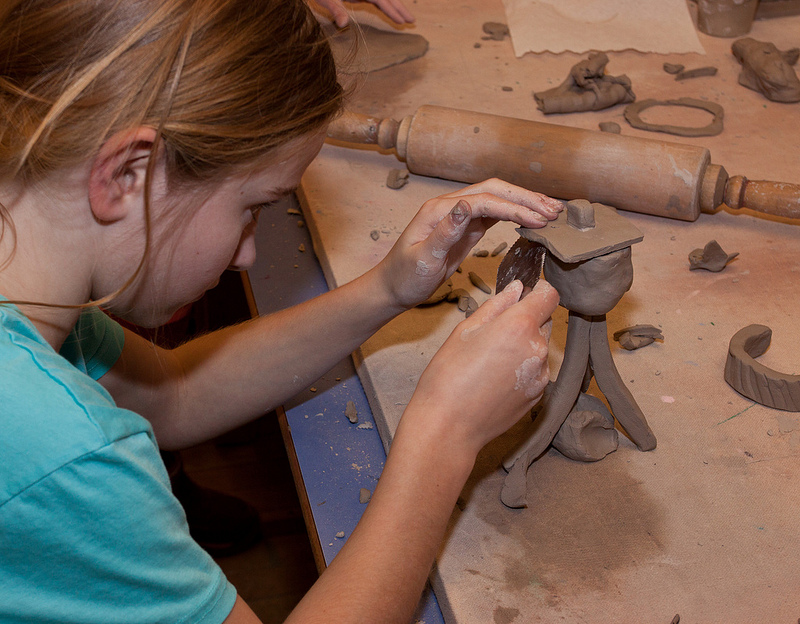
<point x="768" y="70"/>
<point x="587" y="88"/>
<point x="711" y="258"/>
<point x="589" y="263"/>
<point x="754" y="380"/>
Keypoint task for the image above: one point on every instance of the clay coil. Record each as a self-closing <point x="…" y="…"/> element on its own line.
<point x="754" y="380"/>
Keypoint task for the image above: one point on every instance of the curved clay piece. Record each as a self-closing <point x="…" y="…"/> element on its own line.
<point x="637" y="336"/>
<point x="588" y="434"/>
<point x="754" y="380"/>
<point x="673" y="68"/>
<point x="633" y="117"/>
<point x="711" y="258"/>
<point x="587" y="88"/>
<point x="556" y="405"/>
<point x="622" y="403"/>
<point x="767" y="70"/>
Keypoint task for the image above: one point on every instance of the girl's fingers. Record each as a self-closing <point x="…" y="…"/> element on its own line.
<point x="541" y="302"/>
<point x="499" y="303"/>
<point x="514" y="195"/>
<point x="449" y="230"/>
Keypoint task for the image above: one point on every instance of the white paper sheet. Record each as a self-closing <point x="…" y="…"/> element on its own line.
<point x="661" y="26"/>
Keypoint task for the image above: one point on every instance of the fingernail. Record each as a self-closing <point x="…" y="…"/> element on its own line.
<point x="459" y="212"/>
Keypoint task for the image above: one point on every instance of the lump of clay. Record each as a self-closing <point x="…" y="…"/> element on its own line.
<point x="495" y="31"/>
<point x="768" y="70"/>
<point x="673" y="68"/>
<point x="397" y="178"/>
<point x="587" y="88"/>
<point x="588" y="433"/>
<point x="610" y="126"/>
<point x="638" y="336"/>
<point x="711" y="258"/>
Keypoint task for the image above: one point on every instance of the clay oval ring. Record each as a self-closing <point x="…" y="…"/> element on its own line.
<point x="633" y="111"/>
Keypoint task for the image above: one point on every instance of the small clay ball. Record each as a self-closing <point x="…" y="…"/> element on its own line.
<point x="594" y="286"/>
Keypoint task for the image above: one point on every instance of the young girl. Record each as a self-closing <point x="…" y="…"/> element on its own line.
<point x="138" y="141"/>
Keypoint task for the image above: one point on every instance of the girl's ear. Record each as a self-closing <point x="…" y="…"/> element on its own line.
<point x="116" y="180"/>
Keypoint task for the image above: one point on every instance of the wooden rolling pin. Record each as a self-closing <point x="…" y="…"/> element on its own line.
<point x="642" y="175"/>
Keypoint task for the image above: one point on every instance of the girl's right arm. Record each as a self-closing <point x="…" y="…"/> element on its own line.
<point x="487" y="375"/>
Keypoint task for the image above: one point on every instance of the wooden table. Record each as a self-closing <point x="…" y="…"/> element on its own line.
<point x="708" y="524"/>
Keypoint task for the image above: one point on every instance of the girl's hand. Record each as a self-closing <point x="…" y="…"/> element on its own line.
<point x="395" y="10"/>
<point x="442" y="233"/>
<point x="489" y="373"/>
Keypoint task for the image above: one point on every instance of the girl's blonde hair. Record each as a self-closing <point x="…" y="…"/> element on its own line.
<point x="223" y="81"/>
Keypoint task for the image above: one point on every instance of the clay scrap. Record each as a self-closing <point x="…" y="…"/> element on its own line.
<point x="610" y="126"/>
<point x="495" y="31"/>
<point x="376" y="49"/>
<point x="637" y="336"/>
<point x="351" y="412"/>
<point x="587" y="88"/>
<point x="754" y="380"/>
<point x="768" y="70"/>
<point x="673" y="68"/>
<point x="696" y="73"/>
<point x="478" y="282"/>
<point x="711" y="258"/>
<point x="633" y="117"/>
<point x="397" y="178"/>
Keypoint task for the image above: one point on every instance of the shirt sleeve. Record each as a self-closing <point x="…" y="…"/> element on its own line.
<point x="95" y="343"/>
<point x="103" y="540"/>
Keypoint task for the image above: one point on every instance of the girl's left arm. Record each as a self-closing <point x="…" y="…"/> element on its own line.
<point x="219" y="381"/>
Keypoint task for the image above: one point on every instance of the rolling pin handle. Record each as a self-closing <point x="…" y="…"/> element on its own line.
<point x="365" y="130"/>
<point x="779" y="199"/>
<point x="712" y="188"/>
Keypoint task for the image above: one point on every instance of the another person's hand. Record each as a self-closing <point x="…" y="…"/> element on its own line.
<point x="490" y="371"/>
<point x="447" y="227"/>
<point x="395" y="10"/>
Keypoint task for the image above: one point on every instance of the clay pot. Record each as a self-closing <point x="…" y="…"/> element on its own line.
<point x="726" y="18"/>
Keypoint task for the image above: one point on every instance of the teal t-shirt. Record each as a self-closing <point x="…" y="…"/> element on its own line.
<point x="89" y="528"/>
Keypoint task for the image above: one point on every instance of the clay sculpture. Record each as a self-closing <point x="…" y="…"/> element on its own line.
<point x="768" y="70"/>
<point x="587" y="88"/>
<point x="589" y="263"/>
<point x="754" y="380"/>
